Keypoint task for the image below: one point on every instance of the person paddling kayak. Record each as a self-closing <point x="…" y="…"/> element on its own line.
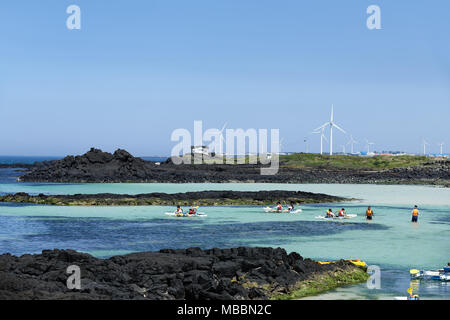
<point x="193" y="211"/>
<point x="415" y="214"/>
<point x="279" y="207"/>
<point x="179" y="212"/>
<point x="341" y="213"/>
<point x="369" y="213"/>
<point x="291" y="207"/>
<point x="330" y="214"/>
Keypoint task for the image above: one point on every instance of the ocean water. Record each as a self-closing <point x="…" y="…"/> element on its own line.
<point x="25" y="159"/>
<point x="390" y="241"/>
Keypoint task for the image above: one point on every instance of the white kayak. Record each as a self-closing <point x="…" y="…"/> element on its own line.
<point x="272" y="210"/>
<point x="404" y="299"/>
<point x="347" y="216"/>
<point x="445" y="277"/>
<point x="431" y="275"/>
<point x="174" y="214"/>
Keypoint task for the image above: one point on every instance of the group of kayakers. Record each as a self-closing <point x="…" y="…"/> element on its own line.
<point x="180" y="213"/>
<point x="279" y="207"/>
<point x="341" y="213"/>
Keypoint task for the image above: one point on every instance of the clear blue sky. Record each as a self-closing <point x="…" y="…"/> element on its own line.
<point x="139" y="69"/>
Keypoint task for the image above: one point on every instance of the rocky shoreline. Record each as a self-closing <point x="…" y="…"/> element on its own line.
<point x="201" y="198"/>
<point x="96" y="166"/>
<point x="185" y="274"/>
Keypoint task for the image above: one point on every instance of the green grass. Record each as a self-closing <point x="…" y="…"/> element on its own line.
<point x="316" y="161"/>
<point x="324" y="282"/>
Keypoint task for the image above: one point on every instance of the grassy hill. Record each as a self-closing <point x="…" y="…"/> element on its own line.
<point x="316" y="161"/>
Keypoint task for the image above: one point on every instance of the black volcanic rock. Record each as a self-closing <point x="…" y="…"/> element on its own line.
<point x="94" y="166"/>
<point x="99" y="166"/>
<point x="203" y="198"/>
<point x="191" y="274"/>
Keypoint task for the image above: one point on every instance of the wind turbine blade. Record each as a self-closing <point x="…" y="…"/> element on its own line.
<point x="322" y="126"/>
<point x="223" y="128"/>
<point x="339" y="128"/>
<point x="332" y="113"/>
<point x="323" y="136"/>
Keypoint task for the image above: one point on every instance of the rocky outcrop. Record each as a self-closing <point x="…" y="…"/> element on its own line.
<point x="203" y="198"/>
<point x="98" y="166"/>
<point x="191" y="274"/>
<point x="94" y="166"/>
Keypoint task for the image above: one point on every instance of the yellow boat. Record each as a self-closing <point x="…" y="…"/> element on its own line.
<point x="356" y="262"/>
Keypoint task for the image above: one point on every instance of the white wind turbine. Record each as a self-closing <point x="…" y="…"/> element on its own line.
<point x="221" y="139"/>
<point x="368" y="145"/>
<point x="352" y="142"/>
<point x="425" y="144"/>
<point x="442" y="147"/>
<point x="343" y="149"/>
<point x="322" y="137"/>
<point x="332" y="125"/>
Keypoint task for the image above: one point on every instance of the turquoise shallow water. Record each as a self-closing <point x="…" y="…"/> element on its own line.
<point x="390" y="240"/>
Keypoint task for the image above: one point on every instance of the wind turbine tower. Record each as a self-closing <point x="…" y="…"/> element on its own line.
<point x="352" y="142"/>
<point x="425" y="144"/>
<point x="368" y="145"/>
<point x="222" y="140"/>
<point x="441" y="145"/>
<point x="322" y="137"/>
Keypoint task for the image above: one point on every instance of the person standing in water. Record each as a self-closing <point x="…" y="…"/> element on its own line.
<point x="369" y="213"/>
<point x="415" y="214"/>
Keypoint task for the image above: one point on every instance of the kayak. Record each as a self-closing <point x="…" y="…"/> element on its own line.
<point x="445" y="277"/>
<point x="173" y="214"/>
<point x="356" y="262"/>
<point x="401" y="298"/>
<point x="272" y="210"/>
<point x="430" y="275"/>
<point x="348" y="216"/>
